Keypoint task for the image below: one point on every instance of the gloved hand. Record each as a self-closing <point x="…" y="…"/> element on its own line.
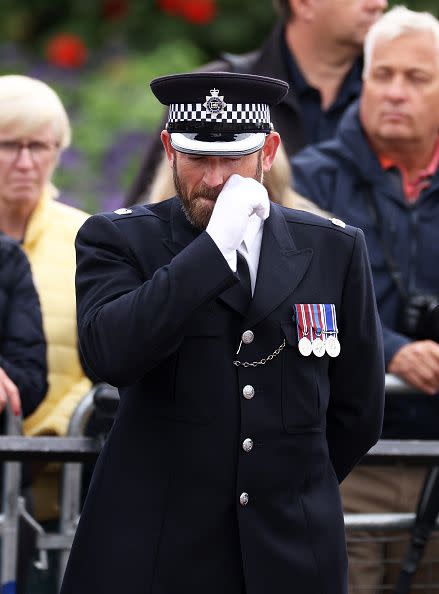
<point x="240" y="198"/>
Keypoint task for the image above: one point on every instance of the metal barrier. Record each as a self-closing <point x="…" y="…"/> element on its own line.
<point x="75" y="448"/>
<point x="387" y="549"/>
<point x="379" y="531"/>
<point x="11" y="512"/>
<point x="14" y="509"/>
<point x="71" y="481"/>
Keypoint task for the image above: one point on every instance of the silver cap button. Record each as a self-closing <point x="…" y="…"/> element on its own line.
<point x="247" y="444"/>
<point x="248" y="392"/>
<point x="247" y="337"/>
<point x="243" y="499"/>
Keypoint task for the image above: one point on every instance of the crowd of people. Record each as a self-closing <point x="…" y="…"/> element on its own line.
<point x="352" y="139"/>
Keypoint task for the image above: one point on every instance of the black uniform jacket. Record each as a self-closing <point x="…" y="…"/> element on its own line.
<point x="159" y="316"/>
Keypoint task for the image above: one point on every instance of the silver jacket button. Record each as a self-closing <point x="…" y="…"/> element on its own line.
<point x="248" y="392"/>
<point x="243" y="499"/>
<point x="247" y="337"/>
<point x="247" y="444"/>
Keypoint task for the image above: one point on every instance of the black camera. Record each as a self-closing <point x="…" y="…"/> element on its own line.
<point x="420" y="317"/>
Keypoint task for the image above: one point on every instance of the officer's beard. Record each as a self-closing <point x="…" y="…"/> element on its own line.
<point x="197" y="210"/>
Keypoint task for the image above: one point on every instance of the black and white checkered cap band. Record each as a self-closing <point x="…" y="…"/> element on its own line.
<point x="233" y="113"/>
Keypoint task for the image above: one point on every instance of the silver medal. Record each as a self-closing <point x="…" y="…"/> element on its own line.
<point x="318" y="347"/>
<point x="305" y="346"/>
<point x="332" y="346"/>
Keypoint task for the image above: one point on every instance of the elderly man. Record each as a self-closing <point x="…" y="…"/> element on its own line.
<point x="317" y="48"/>
<point x="381" y="172"/>
<point x="238" y="414"/>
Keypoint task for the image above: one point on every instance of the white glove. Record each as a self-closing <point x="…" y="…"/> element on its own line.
<point x="240" y="198"/>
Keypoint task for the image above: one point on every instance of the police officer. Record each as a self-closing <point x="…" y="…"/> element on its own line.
<point x="236" y="331"/>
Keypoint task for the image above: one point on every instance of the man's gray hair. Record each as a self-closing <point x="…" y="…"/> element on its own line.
<point x="398" y="22"/>
<point x="283" y="9"/>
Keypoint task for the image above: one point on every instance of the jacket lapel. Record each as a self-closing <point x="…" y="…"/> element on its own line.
<point x="235" y="298"/>
<point x="182" y="234"/>
<point x="281" y="267"/>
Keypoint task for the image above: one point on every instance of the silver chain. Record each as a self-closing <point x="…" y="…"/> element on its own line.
<point x="262" y="361"/>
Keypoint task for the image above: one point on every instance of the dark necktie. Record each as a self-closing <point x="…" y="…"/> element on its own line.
<point x="244" y="275"/>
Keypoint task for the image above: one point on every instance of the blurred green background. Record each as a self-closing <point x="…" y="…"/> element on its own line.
<point x="100" y="56"/>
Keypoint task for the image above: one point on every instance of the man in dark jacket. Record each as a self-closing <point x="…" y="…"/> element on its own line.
<point x="238" y="414"/>
<point x="316" y="48"/>
<point x="381" y="173"/>
<point x="23" y="369"/>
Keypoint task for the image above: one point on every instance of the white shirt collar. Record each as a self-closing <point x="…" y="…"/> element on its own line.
<point x="250" y="246"/>
<point x="253" y="229"/>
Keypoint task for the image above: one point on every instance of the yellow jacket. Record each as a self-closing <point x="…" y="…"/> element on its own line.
<point x="49" y="245"/>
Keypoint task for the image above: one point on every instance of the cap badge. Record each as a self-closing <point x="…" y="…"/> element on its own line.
<point x="214" y="102"/>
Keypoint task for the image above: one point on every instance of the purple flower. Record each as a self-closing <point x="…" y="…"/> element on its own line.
<point x="72" y="159"/>
<point x="112" y="202"/>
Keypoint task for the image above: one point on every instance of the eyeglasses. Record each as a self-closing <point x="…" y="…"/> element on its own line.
<point x="39" y="151"/>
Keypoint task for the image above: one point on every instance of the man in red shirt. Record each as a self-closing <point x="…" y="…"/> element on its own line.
<point x="381" y="173"/>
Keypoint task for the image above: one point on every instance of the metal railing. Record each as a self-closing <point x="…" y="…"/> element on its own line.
<point x="12" y="505"/>
<point x="76" y="448"/>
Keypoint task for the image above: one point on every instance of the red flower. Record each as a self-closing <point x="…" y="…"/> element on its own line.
<point x="67" y="51"/>
<point x="199" y="11"/>
<point x="114" y="9"/>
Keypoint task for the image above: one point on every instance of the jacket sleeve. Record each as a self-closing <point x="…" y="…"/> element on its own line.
<point x="127" y="325"/>
<point x="393" y="341"/>
<point x="23" y="345"/>
<point x="355" y="412"/>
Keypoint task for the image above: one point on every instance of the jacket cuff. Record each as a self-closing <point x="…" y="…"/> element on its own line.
<point x="393" y="341"/>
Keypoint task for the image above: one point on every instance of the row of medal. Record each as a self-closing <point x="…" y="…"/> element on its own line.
<point x="317" y="330"/>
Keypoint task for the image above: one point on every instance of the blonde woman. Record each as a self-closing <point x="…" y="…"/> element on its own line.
<point x="34" y="130"/>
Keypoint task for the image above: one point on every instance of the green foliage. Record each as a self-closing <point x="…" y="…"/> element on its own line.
<point x="108" y="97"/>
<point x="112" y="102"/>
<point x="427" y="5"/>
<point x="112" y="110"/>
<point x="117" y="95"/>
<point x="238" y="26"/>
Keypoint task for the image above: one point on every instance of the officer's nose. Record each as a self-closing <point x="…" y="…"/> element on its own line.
<point x="379" y="5"/>
<point x="376" y="6"/>
<point x="214" y="174"/>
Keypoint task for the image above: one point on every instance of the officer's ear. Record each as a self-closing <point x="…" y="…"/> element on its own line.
<point x="269" y="150"/>
<point x="166" y="141"/>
